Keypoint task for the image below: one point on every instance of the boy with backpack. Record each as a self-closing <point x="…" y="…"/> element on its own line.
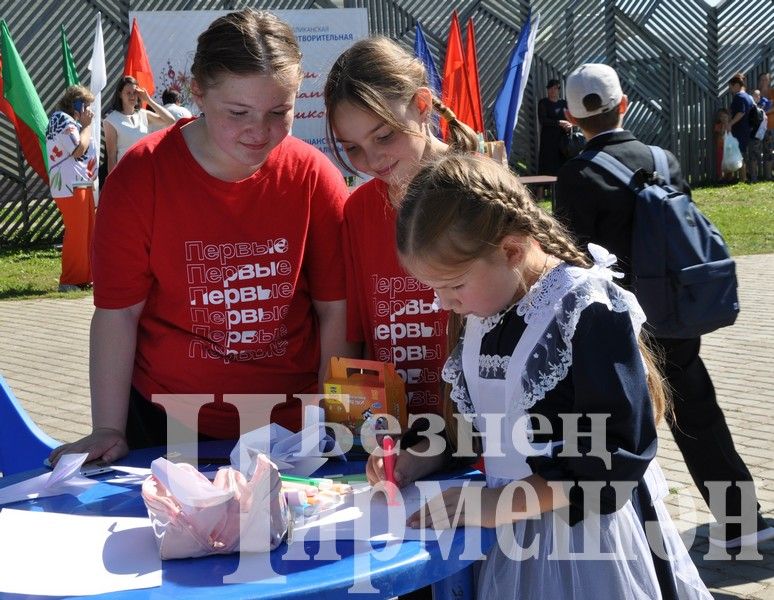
<point x="597" y="206"/>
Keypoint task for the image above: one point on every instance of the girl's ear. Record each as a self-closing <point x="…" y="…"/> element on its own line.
<point x="423" y="100"/>
<point x="514" y="248"/>
<point x="197" y="92"/>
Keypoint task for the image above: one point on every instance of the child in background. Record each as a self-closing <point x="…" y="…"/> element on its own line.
<point x="546" y="336"/>
<point x="380" y="110"/>
<point x="719" y="131"/>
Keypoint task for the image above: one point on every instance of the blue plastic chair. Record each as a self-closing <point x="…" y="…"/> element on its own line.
<point x="23" y="445"/>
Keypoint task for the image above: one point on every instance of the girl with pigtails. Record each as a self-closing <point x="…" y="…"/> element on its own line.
<point x="550" y="369"/>
<point x="380" y="112"/>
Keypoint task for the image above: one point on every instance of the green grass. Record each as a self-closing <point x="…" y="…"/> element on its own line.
<point x="32" y="273"/>
<point x="743" y="213"/>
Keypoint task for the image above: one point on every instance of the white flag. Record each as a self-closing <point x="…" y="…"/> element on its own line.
<point x="98" y="83"/>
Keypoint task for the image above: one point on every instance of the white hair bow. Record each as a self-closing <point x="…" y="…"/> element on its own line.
<point x="603" y="261"/>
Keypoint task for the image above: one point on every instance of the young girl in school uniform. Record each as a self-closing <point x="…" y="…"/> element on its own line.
<point x="380" y="110"/>
<point x="546" y="336"/>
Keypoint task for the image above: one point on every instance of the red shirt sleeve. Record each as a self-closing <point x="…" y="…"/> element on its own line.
<point x="324" y="264"/>
<point x="122" y="234"/>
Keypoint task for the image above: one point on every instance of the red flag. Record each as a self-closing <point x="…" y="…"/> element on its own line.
<point x="29" y="119"/>
<point x="471" y="62"/>
<point x="456" y="88"/>
<point x="137" y="64"/>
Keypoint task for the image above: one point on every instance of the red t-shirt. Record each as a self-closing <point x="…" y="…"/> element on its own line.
<point x="388" y="309"/>
<point x="228" y="270"/>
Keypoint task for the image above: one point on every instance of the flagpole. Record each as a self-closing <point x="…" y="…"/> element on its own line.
<point x="98" y="83"/>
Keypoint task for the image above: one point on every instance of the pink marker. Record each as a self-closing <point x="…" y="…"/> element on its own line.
<point x="388" y="445"/>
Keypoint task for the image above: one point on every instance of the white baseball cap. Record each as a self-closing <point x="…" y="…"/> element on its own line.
<point x="588" y="79"/>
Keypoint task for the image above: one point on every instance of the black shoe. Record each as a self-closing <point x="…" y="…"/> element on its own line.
<point x="735" y="539"/>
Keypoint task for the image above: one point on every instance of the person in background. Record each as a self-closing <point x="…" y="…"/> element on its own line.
<point x="72" y="152"/>
<point x="719" y="131"/>
<point x="380" y="111"/>
<point x="767" y="101"/>
<point x="757" y="135"/>
<point x="171" y="99"/>
<point x="128" y="122"/>
<point x="217" y="265"/>
<point x="599" y="209"/>
<point x="739" y="124"/>
<point x="553" y="127"/>
<point x="547" y="335"/>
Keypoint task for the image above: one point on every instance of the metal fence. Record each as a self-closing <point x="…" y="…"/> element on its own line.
<point x="674" y="58"/>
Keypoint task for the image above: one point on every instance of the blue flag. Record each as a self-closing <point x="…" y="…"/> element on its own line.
<point x="422" y="52"/>
<point x="508" y="102"/>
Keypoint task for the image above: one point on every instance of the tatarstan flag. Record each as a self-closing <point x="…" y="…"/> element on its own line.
<point x="68" y="64"/>
<point x="21" y="104"/>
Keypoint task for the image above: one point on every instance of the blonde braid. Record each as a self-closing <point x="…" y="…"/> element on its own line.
<point x="461" y="136"/>
<point x="460" y="206"/>
<point x="443" y="110"/>
<point x="523" y="215"/>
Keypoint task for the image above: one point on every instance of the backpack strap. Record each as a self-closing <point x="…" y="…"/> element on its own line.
<point x="612" y="165"/>
<point x="661" y="162"/>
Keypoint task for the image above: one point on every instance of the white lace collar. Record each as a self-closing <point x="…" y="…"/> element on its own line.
<point x="538" y="296"/>
<point x="553" y="305"/>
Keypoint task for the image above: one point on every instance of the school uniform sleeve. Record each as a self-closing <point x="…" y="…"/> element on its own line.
<point x="577" y="201"/>
<point x="607" y="377"/>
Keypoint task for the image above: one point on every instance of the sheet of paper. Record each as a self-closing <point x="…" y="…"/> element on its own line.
<point x="365" y="515"/>
<point x="65" y="478"/>
<point x="292" y="453"/>
<point x="52" y="554"/>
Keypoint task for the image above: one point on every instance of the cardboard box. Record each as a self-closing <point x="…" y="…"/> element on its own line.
<point x="374" y="388"/>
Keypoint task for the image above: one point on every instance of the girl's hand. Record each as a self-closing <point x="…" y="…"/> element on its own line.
<point x="408" y="466"/>
<point x="143" y="94"/>
<point x="473" y="506"/>
<point x="491" y="507"/>
<point x="103" y="443"/>
<point x="405" y="469"/>
<point x="85" y="116"/>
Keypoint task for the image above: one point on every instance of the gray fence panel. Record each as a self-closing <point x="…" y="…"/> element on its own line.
<point x="674" y="58"/>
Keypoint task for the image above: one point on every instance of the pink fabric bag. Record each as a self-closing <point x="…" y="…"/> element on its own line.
<point x="192" y="516"/>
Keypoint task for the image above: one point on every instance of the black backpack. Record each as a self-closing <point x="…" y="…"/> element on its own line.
<point x="755" y="116"/>
<point x="681" y="270"/>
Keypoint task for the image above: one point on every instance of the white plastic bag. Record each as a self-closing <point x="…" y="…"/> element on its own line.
<point x="192" y="516"/>
<point x="732" y="155"/>
<point x="761" y="133"/>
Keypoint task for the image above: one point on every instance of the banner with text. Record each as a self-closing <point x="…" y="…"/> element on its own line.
<point x="323" y="34"/>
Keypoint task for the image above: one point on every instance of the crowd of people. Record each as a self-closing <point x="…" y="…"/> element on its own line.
<point x="229" y="258"/>
<point x="750" y="121"/>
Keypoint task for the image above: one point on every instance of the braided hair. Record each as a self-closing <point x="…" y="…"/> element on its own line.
<point x="459" y="207"/>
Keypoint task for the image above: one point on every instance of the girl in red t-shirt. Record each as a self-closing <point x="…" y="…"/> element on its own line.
<point x="381" y="112"/>
<point x="217" y="267"/>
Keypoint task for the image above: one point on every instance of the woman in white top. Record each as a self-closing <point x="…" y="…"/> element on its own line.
<point x="127" y="122"/>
